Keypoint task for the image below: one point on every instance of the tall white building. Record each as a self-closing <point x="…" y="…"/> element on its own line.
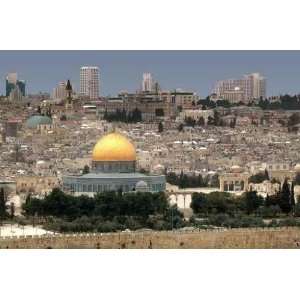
<point x="89" y="82"/>
<point x="255" y="86"/>
<point x="12" y="78"/>
<point x="251" y="86"/>
<point x="60" y="91"/>
<point x="15" y="94"/>
<point x="147" y="85"/>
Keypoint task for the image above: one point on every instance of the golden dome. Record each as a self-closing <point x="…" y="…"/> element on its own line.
<point x="114" y="147"/>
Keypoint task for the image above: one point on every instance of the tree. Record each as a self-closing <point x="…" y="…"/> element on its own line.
<point x="217" y="118"/>
<point x="259" y="177"/>
<point x="63" y="118"/>
<point x="210" y="120"/>
<point x="292" y="196"/>
<point x="159" y="112"/>
<point x="12" y="210"/>
<point x="183" y="180"/>
<point x="269" y="211"/>
<point x="297" y="209"/>
<point x="252" y="201"/>
<point x="189" y="121"/>
<point x="267" y="175"/>
<point x="3" y="204"/>
<point x="232" y="123"/>
<point x="285" y="198"/>
<point x="119" y="115"/>
<point x="214" y="181"/>
<point x="297" y="179"/>
<point x="180" y="127"/>
<point x="201" y="121"/>
<point x="268" y="201"/>
<point x="294" y="119"/>
<point x="49" y="113"/>
<point x="272" y="200"/>
<point x="86" y="169"/>
<point x="160" y="127"/>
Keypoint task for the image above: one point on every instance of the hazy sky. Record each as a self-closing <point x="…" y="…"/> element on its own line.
<point x="122" y="70"/>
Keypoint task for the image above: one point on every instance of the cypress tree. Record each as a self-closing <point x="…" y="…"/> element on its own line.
<point x="3" y="206"/>
<point x="86" y="169"/>
<point x="285" y="198"/>
<point x="292" y="196"/>
<point x="12" y="210"/>
<point x="181" y="180"/>
<point x="160" y="127"/>
<point x="267" y="175"/>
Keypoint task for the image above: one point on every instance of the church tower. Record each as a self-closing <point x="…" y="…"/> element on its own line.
<point x="69" y="102"/>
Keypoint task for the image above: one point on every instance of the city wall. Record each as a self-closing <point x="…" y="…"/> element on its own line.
<point x="206" y="239"/>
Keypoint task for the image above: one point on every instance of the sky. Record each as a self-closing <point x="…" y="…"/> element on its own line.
<point x="122" y="70"/>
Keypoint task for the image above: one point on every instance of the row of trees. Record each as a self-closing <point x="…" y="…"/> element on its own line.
<point x="123" y="116"/>
<point x="214" y="120"/>
<point x="259" y="177"/>
<point x="248" y="203"/>
<point x="192" y="181"/>
<point x="130" y="210"/>
<point x="209" y="104"/>
<point x="286" y="102"/>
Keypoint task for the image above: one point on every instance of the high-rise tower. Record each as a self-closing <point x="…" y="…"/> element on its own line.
<point x="89" y="82"/>
<point x="147" y="85"/>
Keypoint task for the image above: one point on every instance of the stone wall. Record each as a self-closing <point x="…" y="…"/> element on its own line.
<point x="210" y="239"/>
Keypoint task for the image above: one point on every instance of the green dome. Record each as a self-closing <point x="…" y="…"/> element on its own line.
<point x="34" y="121"/>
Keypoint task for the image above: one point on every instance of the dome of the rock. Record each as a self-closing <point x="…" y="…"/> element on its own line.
<point x="114" y="147"/>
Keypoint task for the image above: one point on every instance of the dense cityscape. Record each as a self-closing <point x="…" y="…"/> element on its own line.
<point x="149" y="150"/>
<point x="155" y="159"/>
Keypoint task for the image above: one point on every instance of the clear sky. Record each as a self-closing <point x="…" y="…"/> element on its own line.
<point x="122" y="70"/>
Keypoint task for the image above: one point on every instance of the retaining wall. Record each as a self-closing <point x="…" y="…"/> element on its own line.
<point x="207" y="239"/>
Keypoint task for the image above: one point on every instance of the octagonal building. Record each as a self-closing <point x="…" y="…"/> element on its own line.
<point x="113" y="169"/>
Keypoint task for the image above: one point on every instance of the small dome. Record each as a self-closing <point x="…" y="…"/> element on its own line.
<point x="236" y="169"/>
<point x="114" y="147"/>
<point x="141" y="186"/>
<point x="34" y="121"/>
<point x="158" y="169"/>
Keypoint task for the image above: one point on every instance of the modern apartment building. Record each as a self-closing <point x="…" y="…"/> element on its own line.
<point x="147" y="84"/>
<point x="89" y="82"/>
<point x="250" y="87"/>
<point x="60" y="91"/>
<point x="12" y="83"/>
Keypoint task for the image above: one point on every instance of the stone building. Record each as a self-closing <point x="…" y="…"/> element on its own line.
<point x="265" y="188"/>
<point x="36" y="184"/>
<point x="236" y="180"/>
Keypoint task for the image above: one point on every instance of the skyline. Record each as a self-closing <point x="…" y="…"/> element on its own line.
<point x="123" y="70"/>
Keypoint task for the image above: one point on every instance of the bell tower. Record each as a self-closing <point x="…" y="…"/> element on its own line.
<point x="69" y="102"/>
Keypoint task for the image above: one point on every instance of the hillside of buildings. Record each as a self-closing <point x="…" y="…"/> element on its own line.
<point x="154" y="159"/>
